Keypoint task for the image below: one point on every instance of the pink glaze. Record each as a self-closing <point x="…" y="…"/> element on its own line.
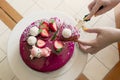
<point x="46" y="52"/>
<point x="46" y="64"/>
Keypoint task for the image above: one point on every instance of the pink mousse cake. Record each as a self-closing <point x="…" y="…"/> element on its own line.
<point x="42" y="47"/>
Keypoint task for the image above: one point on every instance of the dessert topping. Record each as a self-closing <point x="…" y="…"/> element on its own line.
<point x="58" y="45"/>
<point x="35" y="52"/>
<point x="66" y="33"/>
<point x="53" y="26"/>
<point x="40" y="52"/>
<point x="31" y="40"/>
<point x="44" y="25"/>
<point x="40" y="43"/>
<point x="46" y="52"/>
<point x="44" y="33"/>
<point x="34" y="31"/>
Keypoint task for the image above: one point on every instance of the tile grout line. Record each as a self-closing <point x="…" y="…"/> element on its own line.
<point x="77" y="13"/>
<point x="3" y="59"/>
<point x="90" y="59"/>
<point x="97" y="20"/>
<point x="59" y="4"/>
<point x="29" y="8"/>
<point x="114" y="46"/>
<point x="3" y="51"/>
<point x="73" y="11"/>
<point x="101" y="62"/>
<point x="4" y="31"/>
<point x="82" y="9"/>
<point x="1" y="48"/>
<point x="37" y="4"/>
<point x="13" y="78"/>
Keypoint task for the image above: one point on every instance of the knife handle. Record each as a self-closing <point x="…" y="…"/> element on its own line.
<point x="84" y="19"/>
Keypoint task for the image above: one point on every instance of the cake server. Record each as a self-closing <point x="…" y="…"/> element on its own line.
<point x="81" y="23"/>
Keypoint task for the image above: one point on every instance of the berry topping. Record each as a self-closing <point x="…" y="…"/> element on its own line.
<point x="40" y="43"/>
<point x="58" y="45"/>
<point x="44" y="33"/>
<point x="53" y="26"/>
<point x="44" y="25"/>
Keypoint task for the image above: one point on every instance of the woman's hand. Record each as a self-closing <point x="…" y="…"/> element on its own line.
<point x="94" y="7"/>
<point x="105" y="37"/>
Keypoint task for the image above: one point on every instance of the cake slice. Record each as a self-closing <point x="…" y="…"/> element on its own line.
<point x="69" y="33"/>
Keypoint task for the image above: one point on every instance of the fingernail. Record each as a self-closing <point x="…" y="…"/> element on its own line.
<point x="84" y="28"/>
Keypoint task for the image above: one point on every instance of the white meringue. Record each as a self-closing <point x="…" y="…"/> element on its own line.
<point x="66" y="33"/>
<point x="31" y="40"/>
<point x="34" y="31"/>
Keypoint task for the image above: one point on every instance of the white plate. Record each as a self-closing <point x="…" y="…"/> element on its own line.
<point x="69" y="72"/>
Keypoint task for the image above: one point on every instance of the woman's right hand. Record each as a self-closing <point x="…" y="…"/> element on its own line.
<point x="105" y="36"/>
<point x="94" y="7"/>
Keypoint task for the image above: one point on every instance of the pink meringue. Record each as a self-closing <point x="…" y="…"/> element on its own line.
<point x="40" y="52"/>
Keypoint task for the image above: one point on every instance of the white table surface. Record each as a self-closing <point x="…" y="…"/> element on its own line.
<point x="69" y="72"/>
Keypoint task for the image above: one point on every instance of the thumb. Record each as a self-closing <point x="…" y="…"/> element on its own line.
<point x="92" y="30"/>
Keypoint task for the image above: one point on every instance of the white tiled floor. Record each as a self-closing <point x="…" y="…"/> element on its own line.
<point x="21" y="6"/>
<point x="15" y="78"/>
<point x="104" y="21"/>
<point x="34" y="8"/>
<point x="49" y="4"/>
<point x="64" y="8"/>
<point x="4" y="40"/>
<point x="108" y="58"/>
<point x="3" y="27"/>
<point x="98" y="65"/>
<point x="5" y="71"/>
<point x="2" y="55"/>
<point x="95" y="70"/>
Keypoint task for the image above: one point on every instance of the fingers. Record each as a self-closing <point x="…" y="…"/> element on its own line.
<point x="90" y="6"/>
<point x="93" y="30"/>
<point x="82" y="48"/>
<point x="105" y="9"/>
<point x="87" y="49"/>
<point x="94" y="10"/>
<point x="88" y="43"/>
